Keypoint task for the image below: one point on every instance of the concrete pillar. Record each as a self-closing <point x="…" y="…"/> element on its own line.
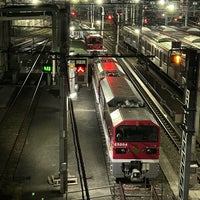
<point x="4" y="45"/>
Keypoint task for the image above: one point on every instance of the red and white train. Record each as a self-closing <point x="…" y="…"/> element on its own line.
<point x="94" y="41"/>
<point x="131" y="132"/>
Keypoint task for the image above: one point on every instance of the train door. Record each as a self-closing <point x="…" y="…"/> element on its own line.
<point x="160" y="55"/>
<point x="153" y="52"/>
<point x="145" y="47"/>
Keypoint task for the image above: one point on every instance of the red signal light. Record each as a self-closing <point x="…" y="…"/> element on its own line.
<point x="80" y="68"/>
<point x="73" y="13"/>
<point x="175" y="20"/>
<point x="110" y="17"/>
<point x="145" y="20"/>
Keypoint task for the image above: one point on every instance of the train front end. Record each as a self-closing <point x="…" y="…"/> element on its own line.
<point x="95" y="44"/>
<point x="134" y="144"/>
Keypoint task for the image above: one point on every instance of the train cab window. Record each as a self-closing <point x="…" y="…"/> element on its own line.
<point x="95" y="41"/>
<point x="137" y="134"/>
<point x="99" y="40"/>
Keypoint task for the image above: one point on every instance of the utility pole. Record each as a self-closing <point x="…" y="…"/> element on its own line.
<point x="192" y="70"/>
<point x="186" y="13"/>
<point x="117" y="36"/>
<point x="102" y="19"/>
<point x="92" y="14"/>
<point x="64" y="90"/>
<point x="140" y="24"/>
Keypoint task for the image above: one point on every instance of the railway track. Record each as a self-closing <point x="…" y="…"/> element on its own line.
<point x="14" y="129"/>
<point x="126" y="190"/>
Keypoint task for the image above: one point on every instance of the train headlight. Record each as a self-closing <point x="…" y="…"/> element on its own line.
<point x="120" y="150"/>
<point x="151" y="150"/>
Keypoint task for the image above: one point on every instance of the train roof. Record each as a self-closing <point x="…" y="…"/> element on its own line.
<point x="185" y="36"/>
<point x="167" y="45"/>
<point x="187" y="40"/>
<point x="105" y="59"/>
<point x="135" y="29"/>
<point x="163" y="38"/>
<point x="119" y="92"/>
<point x="105" y="68"/>
<point x="132" y="114"/>
<point x="193" y="30"/>
<point x="109" y="66"/>
<point x="192" y="38"/>
<point x="167" y="29"/>
<point x="94" y="35"/>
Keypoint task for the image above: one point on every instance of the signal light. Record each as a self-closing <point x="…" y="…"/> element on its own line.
<point x="145" y="20"/>
<point x="80" y="68"/>
<point x="176" y="59"/>
<point x="175" y="20"/>
<point x="110" y="17"/>
<point x="47" y="68"/>
<point x="73" y="13"/>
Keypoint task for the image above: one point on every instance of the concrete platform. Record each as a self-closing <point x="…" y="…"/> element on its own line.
<point x="39" y="163"/>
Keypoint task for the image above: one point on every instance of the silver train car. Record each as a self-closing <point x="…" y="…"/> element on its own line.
<point x="159" y="46"/>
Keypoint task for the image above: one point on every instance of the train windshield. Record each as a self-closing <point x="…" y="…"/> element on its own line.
<point x="137" y="134"/>
<point x="95" y="40"/>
